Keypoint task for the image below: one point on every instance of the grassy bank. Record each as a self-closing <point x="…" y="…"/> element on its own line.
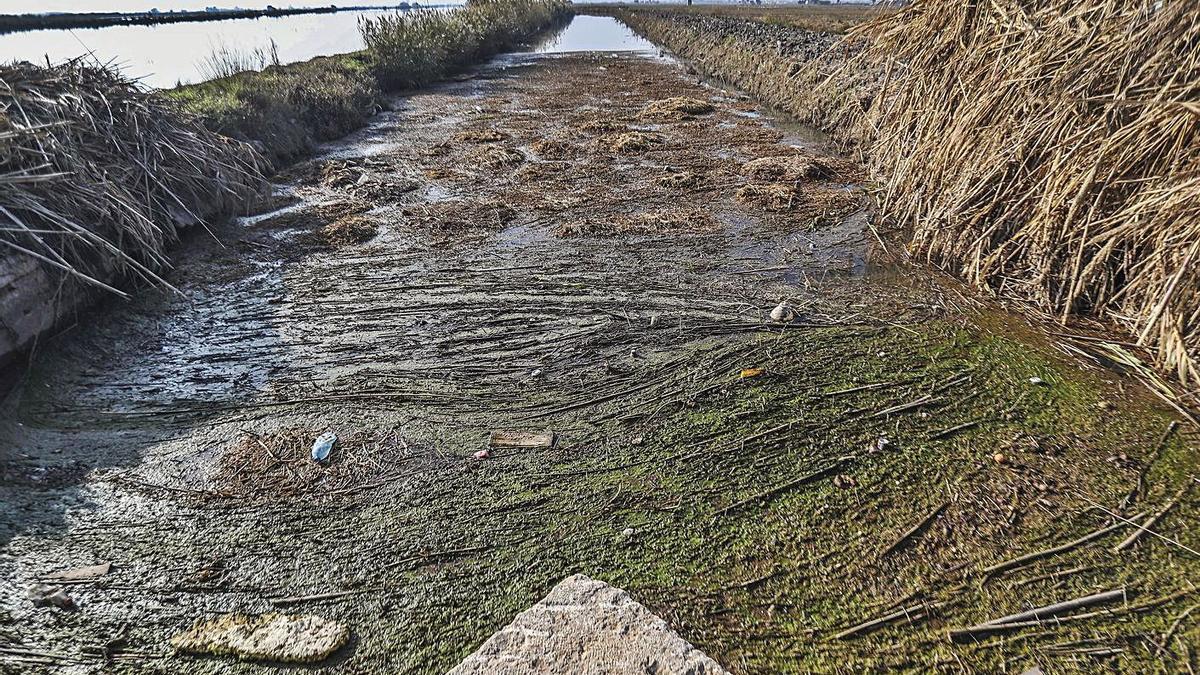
<point x="285" y="110"/>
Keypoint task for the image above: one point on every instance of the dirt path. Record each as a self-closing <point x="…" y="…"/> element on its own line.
<point x="558" y="245"/>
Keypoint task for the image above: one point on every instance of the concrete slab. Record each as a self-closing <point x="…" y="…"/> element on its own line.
<point x="585" y="626"/>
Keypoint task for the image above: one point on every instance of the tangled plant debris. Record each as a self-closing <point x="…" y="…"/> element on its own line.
<point x="101" y="175"/>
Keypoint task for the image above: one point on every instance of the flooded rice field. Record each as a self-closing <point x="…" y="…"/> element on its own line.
<point x="586" y="247"/>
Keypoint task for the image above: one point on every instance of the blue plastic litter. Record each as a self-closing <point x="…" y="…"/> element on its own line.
<point x="323" y="446"/>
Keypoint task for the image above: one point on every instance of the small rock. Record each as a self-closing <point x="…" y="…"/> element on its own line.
<point x="265" y="637"/>
<point x="50" y="596"/>
<point x="1035" y="380"/>
<point x="627" y="533"/>
<point x="1000" y="458"/>
<point x="783" y="313"/>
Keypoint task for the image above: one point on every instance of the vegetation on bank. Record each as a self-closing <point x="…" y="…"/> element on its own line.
<point x="285" y="110"/>
<point x="1062" y="175"/>
<point x="99" y="174"/>
<point x="1043" y="150"/>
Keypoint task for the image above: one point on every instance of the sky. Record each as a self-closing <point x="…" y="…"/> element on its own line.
<point x="28" y="6"/>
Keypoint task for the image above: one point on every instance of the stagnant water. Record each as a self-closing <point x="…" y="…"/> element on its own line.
<point x="169" y="54"/>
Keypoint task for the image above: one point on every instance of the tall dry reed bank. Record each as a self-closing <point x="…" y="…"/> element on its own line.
<point x="100" y="174"/>
<point x="1048" y="150"/>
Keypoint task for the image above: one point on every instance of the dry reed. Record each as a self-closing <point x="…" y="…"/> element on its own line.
<point x="1048" y="150"/>
<point x="99" y="175"/>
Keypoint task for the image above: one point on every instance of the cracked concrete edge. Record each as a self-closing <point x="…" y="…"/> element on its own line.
<point x="587" y="626"/>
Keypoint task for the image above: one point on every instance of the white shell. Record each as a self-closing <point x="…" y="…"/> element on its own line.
<point x="783" y="313"/>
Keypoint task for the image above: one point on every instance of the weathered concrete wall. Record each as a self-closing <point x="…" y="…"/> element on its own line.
<point x="33" y="300"/>
<point x="587" y="626"/>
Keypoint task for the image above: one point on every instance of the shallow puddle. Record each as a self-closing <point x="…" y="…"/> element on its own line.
<point x="594" y="34"/>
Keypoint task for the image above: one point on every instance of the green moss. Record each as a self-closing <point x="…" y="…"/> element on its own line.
<point x="766" y="584"/>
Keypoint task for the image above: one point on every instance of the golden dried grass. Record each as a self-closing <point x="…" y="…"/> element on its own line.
<point x="1048" y="150"/>
<point x="480" y="136"/>
<point x="785" y="168"/>
<point x="349" y="231"/>
<point x="100" y="174"/>
<point x="675" y="108"/>
<point x="496" y="156"/>
<point x="632" y="141"/>
<point x="645" y="223"/>
<point x="771" y="196"/>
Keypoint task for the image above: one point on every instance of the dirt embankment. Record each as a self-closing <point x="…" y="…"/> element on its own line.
<point x="760" y="58"/>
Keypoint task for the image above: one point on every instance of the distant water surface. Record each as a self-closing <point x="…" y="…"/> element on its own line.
<point x="167" y="54"/>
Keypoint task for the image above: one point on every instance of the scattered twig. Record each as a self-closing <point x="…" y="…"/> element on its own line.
<point x="1062" y="548"/>
<point x="1033" y="617"/>
<point x="768" y="494"/>
<point x="1174" y="627"/>
<point x="912" y="531"/>
<point x="908" y="614"/>
<point x="297" y="599"/>
<point x="1152" y="520"/>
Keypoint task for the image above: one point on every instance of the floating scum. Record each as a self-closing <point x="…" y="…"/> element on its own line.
<point x="1048" y="150"/>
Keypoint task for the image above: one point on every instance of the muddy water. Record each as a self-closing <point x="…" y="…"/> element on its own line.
<point x="594" y="34"/>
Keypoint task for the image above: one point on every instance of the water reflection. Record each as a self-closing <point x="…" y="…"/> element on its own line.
<point x="166" y="54"/>
<point x="594" y="34"/>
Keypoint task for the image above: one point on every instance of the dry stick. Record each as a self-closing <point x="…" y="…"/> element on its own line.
<point x="1050" y="611"/>
<point x="1152" y="520"/>
<point x="1161" y="645"/>
<point x="914" y="613"/>
<point x="591" y="402"/>
<point x="1034" y="617"/>
<point x="921" y="402"/>
<point x="283" y="602"/>
<point x="767" y="494"/>
<point x="1158" y="448"/>
<point x="1129" y="521"/>
<point x="954" y="429"/>
<point x="984" y="630"/>
<point x="910" y="532"/>
<point x="1045" y="553"/>
<point x="1057" y="575"/>
<point x="432" y="556"/>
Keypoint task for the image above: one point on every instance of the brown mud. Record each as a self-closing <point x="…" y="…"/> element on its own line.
<point x="514" y="261"/>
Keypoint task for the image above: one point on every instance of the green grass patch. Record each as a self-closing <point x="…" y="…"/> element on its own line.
<point x="284" y="110"/>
